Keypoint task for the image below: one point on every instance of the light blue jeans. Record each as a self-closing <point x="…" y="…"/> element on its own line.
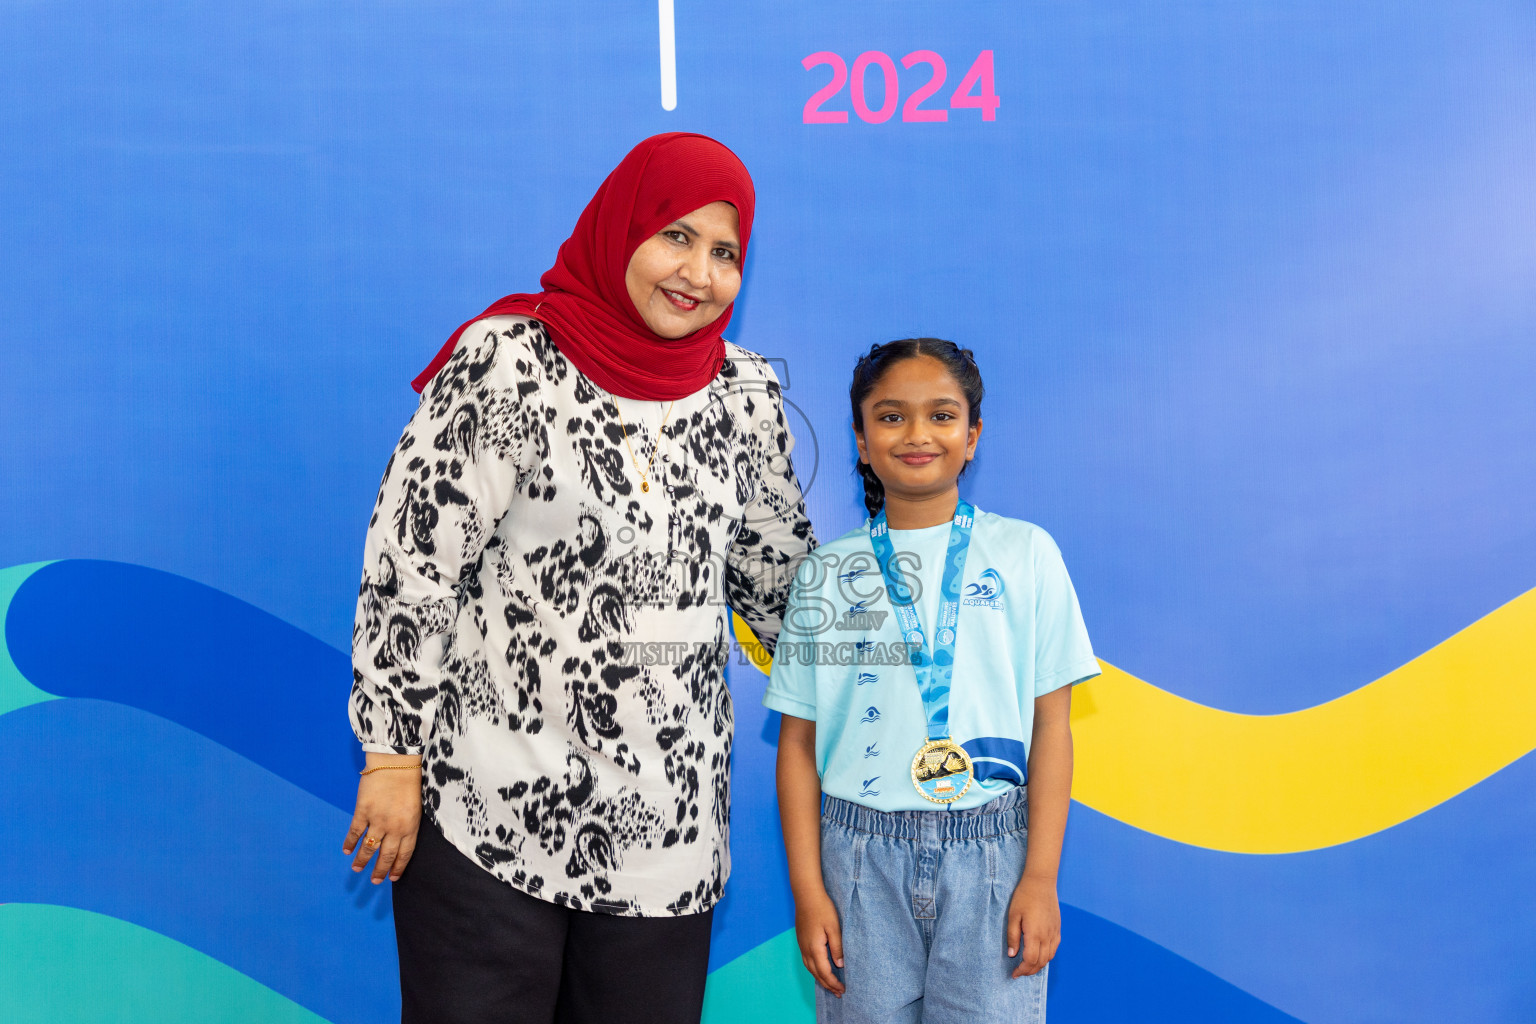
<point x="923" y="901"/>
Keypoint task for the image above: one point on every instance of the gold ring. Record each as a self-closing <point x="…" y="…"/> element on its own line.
<point x="371" y="841"/>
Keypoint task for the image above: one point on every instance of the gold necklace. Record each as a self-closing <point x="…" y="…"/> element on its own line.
<point x="645" y="474"/>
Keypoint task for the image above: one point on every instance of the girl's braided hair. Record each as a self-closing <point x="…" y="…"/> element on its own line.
<point x="873" y="365"/>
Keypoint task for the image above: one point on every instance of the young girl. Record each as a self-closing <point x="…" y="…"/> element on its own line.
<point x="923" y="675"/>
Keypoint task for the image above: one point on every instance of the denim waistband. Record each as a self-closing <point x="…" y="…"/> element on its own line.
<point x="998" y="817"/>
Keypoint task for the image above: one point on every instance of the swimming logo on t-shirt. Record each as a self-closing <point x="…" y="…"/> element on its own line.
<point x="986" y="592"/>
<point x="860" y="618"/>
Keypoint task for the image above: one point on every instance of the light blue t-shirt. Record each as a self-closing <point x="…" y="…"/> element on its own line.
<point x="840" y="661"/>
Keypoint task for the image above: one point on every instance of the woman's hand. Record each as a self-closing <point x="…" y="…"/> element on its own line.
<point x="819" y="934"/>
<point x="1034" y="924"/>
<point x="389" y="811"/>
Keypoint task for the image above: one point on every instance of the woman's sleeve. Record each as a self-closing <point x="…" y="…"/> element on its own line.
<point x="475" y="439"/>
<point x="776" y="533"/>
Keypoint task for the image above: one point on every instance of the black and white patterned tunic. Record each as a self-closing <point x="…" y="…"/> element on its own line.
<point x="513" y="564"/>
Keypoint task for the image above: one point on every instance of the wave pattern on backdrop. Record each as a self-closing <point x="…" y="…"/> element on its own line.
<point x="1255" y="289"/>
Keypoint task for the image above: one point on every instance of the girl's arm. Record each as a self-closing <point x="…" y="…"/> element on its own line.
<point x="816" y="925"/>
<point x="1034" y="915"/>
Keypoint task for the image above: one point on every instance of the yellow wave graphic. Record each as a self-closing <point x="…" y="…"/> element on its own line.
<point x="1313" y="778"/>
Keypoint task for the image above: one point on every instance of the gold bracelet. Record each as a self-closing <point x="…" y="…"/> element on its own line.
<point x="387" y="767"/>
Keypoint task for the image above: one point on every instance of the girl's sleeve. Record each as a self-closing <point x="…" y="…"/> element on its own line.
<point x="792" y="682"/>
<point x="1063" y="654"/>
<point x="776" y="534"/>
<point x="475" y="439"/>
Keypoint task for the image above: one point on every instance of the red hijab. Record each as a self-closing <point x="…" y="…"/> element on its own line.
<point x="585" y="302"/>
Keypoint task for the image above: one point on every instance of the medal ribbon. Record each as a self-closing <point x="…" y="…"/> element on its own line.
<point x="934" y="670"/>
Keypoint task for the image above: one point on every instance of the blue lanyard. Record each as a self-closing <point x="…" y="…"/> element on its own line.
<point x="934" y="671"/>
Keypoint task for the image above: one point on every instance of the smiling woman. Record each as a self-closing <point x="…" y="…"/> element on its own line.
<point x="683" y="277"/>
<point x="600" y="297"/>
<point x="554" y="813"/>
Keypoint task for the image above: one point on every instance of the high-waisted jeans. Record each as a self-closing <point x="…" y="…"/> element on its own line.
<point x="923" y="898"/>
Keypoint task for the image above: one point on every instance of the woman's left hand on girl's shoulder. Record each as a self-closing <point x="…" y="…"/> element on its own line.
<point x="1034" y="924"/>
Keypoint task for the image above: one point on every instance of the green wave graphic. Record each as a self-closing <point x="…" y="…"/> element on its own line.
<point x="59" y="965"/>
<point x="16" y="691"/>
<point x="765" y="985"/>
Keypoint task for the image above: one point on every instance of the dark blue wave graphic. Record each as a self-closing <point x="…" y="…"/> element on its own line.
<point x="1105" y="974"/>
<point x="109" y="809"/>
<point x="197" y="656"/>
<point x="1426" y="922"/>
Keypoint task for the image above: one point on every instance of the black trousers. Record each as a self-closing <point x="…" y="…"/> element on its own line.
<point x="474" y="950"/>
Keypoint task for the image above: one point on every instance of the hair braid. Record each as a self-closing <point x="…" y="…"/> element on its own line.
<point x="874" y="490"/>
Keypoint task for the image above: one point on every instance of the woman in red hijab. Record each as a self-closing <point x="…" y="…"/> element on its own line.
<point x="592" y="478"/>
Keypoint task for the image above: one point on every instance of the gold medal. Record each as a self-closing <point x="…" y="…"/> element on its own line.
<point x="942" y="771"/>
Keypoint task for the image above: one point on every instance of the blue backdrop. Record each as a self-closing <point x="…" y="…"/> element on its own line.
<point x="1253" y="288"/>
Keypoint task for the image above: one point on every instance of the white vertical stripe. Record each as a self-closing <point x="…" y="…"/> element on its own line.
<point x="668" y="55"/>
